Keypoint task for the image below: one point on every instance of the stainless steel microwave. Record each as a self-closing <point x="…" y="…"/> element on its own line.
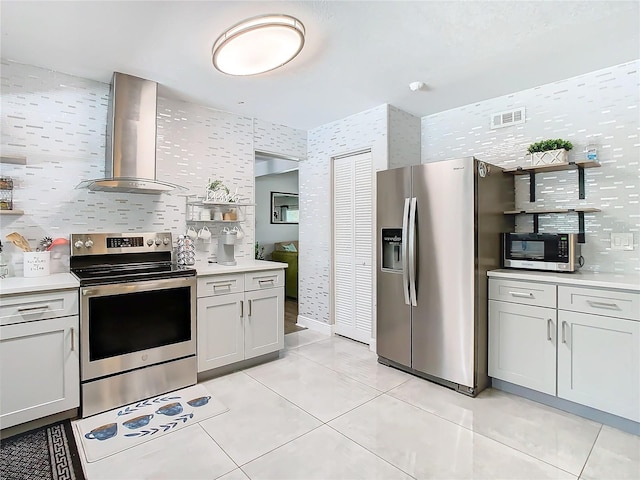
<point x="557" y="252"/>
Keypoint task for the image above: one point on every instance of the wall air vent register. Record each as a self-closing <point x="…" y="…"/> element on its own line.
<point x="508" y="118"/>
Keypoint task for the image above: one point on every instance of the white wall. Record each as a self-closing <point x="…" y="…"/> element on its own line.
<point x="598" y="108"/>
<point x="266" y="232"/>
<point x="404" y="138"/>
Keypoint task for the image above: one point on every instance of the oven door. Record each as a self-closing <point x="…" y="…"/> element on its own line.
<point x="125" y="326"/>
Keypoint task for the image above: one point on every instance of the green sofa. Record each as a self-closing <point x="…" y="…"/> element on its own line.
<point x="279" y="254"/>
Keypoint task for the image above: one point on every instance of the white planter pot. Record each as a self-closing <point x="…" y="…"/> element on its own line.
<point x="550" y="157"/>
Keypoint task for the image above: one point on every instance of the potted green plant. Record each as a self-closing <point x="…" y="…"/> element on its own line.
<point x="216" y="192"/>
<point x="550" y="152"/>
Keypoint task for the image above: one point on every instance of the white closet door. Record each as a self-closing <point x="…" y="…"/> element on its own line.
<point x="353" y="246"/>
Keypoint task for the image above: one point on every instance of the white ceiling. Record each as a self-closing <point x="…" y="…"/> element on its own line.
<point x="358" y="54"/>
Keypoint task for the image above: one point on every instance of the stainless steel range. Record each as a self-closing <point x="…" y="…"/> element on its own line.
<point x="137" y="318"/>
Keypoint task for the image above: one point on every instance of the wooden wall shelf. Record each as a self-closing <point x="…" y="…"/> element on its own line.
<point x="542" y="211"/>
<point x="11" y="212"/>
<point x="15" y="160"/>
<point x="550" y="168"/>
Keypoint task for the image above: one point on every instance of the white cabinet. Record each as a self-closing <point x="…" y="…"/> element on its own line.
<point x="240" y="316"/>
<point x="39" y="356"/>
<point x="599" y="354"/>
<point x="590" y="337"/>
<point x="220" y="330"/>
<point x="522" y="345"/>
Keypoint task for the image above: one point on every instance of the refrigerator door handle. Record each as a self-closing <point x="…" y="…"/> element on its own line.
<point x="412" y="252"/>
<point x="405" y="256"/>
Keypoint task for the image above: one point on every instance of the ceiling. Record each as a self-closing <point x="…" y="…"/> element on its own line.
<point x="358" y="54"/>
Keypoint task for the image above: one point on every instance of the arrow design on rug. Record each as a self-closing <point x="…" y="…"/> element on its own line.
<point x="145" y="403"/>
<point x="142" y="433"/>
<point x="165" y="399"/>
<point x="127" y="411"/>
<point x="183" y="418"/>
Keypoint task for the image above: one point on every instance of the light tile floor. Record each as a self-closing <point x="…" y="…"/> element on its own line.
<point x="327" y="410"/>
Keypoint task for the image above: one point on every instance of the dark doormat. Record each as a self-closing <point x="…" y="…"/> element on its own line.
<point x="47" y="453"/>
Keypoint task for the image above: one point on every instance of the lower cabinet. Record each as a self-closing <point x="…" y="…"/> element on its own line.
<point x="522" y="345"/>
<point x="583" y="347"/>
<point x="40" y="369"/>
<point x="238" y="326"/>
<point x="599" y="362"/>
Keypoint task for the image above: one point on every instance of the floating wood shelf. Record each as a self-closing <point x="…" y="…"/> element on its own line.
<point x="537" y="212"/>
<point x="15" y="160"/>
<point x="532" y="170"/>
<point x="550" y="168"/>
<point x="552" y="210"/>
<point x="11" y="212"/>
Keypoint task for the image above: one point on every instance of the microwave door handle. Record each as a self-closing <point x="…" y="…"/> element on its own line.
<point x="405" y="248"/>
<point x="412" y="252"/>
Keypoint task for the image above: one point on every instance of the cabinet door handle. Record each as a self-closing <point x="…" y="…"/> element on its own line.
<point x="222" y="285"/>
<point x="593" y="304"/>
<point x="549" y="323"/>
<point x="521" y="294"/>
<point x="564" y="334"/>
<point x="266" y="281"/>
<point x="250" y="306"/>
<point x="31" y="309"/>
<point x="241" y="308"/>
<point x="73" y="341"/>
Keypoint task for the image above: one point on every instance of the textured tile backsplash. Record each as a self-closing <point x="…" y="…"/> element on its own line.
<point x="599" y="108"/>
<point x="58" y="123"/>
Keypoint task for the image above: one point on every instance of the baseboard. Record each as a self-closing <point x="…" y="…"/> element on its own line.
<point x="373" y="345"/>
<point x="581" y="410"/>
<point x="315" y="325"/>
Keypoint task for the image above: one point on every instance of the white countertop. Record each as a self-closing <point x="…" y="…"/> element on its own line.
<point x="245" y="266"/>
<point x="579" y="279"/>
<point x="56" y="281"/>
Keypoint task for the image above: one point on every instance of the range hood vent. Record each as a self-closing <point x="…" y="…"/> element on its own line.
<point x="131" y="139"/>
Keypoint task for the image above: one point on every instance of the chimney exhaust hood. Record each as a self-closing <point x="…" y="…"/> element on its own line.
<point x="131" y="139"/>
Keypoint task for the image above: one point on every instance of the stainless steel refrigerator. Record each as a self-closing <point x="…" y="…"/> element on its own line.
<point x="438" y="227"/>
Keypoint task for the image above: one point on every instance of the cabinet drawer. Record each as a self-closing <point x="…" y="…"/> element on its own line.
<point x="263" y="279"/>
<point x="526" y="293"/>
<point x="38" y="306"/>
<point x="608" y="303"/>
<point x="220" y="284"/>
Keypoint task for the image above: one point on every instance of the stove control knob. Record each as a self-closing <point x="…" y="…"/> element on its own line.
<point x="166" y="240"/>
<point x="158" y="241"/>
<point x="79" y="244"/>
<point x="88" y="243"/>
<point x="150" y="242"/>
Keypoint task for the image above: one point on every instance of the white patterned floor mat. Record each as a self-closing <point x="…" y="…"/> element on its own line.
<point x="125" y="427"/>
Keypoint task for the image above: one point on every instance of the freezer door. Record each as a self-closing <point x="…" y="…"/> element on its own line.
<point x="443" y="318"/>
<point x="393" y="328"/>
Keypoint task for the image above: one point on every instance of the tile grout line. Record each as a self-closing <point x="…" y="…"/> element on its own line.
<point x="219" y="446"/>
<point x="590" y="451"/>
<point x="482" y="434"/>
<point x="349" y="376"/>
<point x="371" y="452"/>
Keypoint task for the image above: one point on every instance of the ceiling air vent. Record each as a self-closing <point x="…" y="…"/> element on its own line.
<point x="505" y="119"/>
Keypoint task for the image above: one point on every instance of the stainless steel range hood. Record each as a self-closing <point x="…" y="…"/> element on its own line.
<point x="131" y="139"/>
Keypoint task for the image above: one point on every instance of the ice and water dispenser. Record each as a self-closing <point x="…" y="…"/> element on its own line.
<point x="392" y="249"/>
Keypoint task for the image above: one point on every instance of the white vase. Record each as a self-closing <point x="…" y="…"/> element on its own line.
<point x="550" y="157"/>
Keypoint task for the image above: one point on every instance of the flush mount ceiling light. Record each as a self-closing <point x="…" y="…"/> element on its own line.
<point x="258" y="45"/>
